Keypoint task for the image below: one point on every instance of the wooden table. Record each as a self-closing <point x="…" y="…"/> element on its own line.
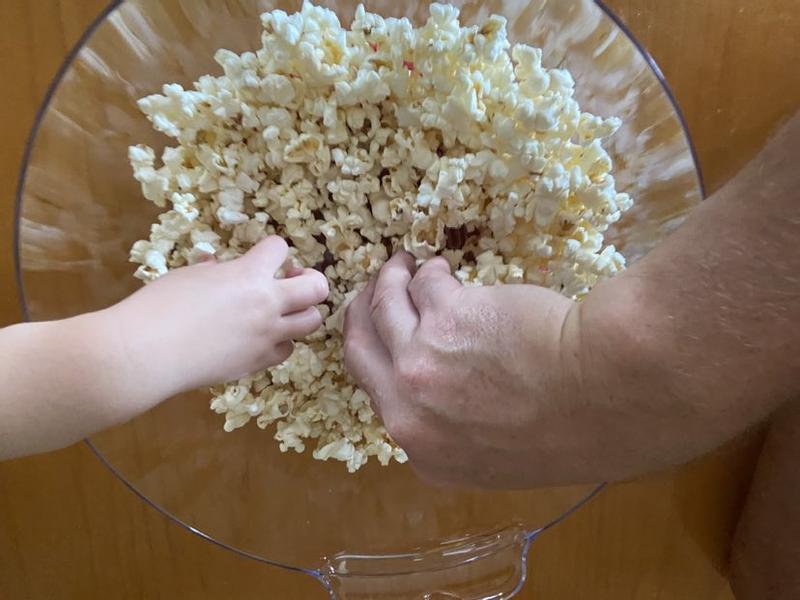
<point x="69" y="529"/>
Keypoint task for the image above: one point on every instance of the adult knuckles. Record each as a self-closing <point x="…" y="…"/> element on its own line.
<point x="356" y="354"/>
<point x="380" y="303"/>
<point x="394" y="276"/>
<point x="351" y="346"/>
<point x="416" y="372"/>
<point x="422" y="281"/>
<point x="428" y="276"/>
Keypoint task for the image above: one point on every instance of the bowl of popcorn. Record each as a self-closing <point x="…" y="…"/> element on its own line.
<point x="526" y="141"/>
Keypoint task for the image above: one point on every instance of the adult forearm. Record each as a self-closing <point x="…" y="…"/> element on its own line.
<point x="703" y="335"/>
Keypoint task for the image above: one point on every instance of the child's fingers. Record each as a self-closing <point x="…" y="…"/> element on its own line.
<point x="298" y="293"/>
<point x="301" y="324"/>
<point x="268" y="255"/>
<point x="293" y="271"/>
<point x="283" y="351"/>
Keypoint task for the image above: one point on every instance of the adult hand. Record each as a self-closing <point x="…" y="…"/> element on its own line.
<point x="470" y="381"/>
<point x="512" y="386"/>
<point x="515" y="386"/>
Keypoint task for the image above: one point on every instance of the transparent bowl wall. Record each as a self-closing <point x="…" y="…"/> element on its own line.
<point x="80" y="210"/>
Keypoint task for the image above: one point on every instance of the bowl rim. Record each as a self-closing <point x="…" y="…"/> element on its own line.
<point x="18" y="205"/>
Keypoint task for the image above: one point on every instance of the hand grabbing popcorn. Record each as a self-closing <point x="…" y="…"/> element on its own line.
<point x="221" y="321"/>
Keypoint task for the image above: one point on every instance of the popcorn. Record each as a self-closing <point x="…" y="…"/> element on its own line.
<point x="200" y="252"/>
<point x="442" y="140"/>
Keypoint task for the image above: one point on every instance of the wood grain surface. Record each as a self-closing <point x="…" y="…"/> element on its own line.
<point x="69" y="529"/>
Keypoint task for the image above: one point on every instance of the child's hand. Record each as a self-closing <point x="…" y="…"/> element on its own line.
<point x="195" y="326"/>
<point x="211" y="323"/>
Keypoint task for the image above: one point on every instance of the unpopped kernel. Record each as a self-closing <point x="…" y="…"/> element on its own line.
<point x="351" y="143"/>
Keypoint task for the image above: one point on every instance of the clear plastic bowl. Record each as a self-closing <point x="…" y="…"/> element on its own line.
<point x="380" y="532"/>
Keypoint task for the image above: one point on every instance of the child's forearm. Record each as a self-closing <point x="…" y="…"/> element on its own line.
<point x="64" y="380"/>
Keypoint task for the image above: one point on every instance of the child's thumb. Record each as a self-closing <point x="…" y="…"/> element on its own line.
<point x="269" y="254"/>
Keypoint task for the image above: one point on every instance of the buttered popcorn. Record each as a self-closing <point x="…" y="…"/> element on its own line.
<point x="442" y="140"/>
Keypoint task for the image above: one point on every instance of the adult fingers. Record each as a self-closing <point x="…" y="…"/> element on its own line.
<point x="365" y="356"/>
<point x="268" y="255"/>
<point x="433" y="285"/>
<point x="393" y="313"/>
<point x="299" y="292"/>
<point x="301" y="324"/>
